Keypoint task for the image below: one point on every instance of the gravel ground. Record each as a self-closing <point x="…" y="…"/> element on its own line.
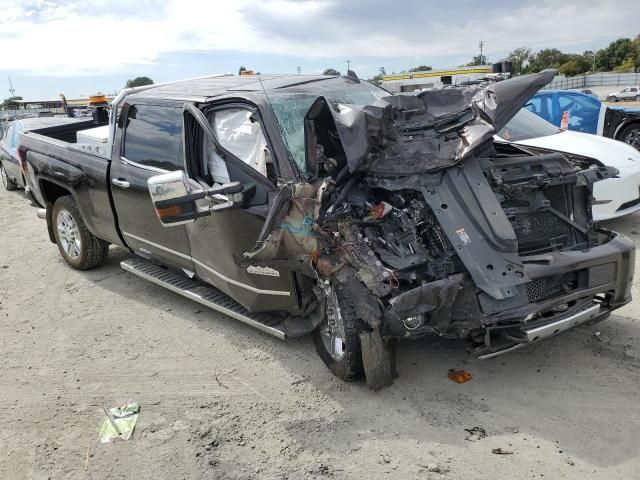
<point x="221" y="400"/>
<point x="626" y="103"/>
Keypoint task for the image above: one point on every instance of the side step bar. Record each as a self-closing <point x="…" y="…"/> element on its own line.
<point x="202" y="293"/>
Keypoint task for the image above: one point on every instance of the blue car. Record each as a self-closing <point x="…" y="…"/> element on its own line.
<point x="587" y="114"/>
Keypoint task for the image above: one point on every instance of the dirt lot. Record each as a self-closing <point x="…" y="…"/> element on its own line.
<point x="629" y="104"/>
<point x="221" y="400"/>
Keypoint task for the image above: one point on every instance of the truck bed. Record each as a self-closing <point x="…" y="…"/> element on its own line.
<point x="55" y="167"/>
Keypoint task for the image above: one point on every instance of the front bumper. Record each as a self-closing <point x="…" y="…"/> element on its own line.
<point x="587" y="285"/>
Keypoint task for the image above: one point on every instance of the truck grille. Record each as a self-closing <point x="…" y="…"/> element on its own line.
<point x="544" y="288"/>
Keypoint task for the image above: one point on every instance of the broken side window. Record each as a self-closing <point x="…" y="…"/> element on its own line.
<point x="240" y="133"/>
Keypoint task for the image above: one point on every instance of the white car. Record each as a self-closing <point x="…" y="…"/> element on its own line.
<point x="614" y="197"/>
<point x="629" y="93"/>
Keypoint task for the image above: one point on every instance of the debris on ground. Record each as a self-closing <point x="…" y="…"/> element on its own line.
<point x="459" y="376"/>
<point x="119" y="423"/>
<point x="500" y="451"/>
<point x="475" y="434"/>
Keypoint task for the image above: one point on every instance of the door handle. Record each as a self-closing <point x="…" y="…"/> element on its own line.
<point x="118" y="182"/>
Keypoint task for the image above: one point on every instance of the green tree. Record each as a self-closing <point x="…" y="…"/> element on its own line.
<point x="242" y="69"/>
<point x="138" y="82"/>
<point x="331" y="71"/>
<point x="547" y="58"/>
<point x="477" y="60"/>
<point x="421" y="68"/>
<point x="8" y="101"/>
<point x="614" y="54"/>
<point x="635" y="53"/>
<point x="626" y="66"/>
<point x="519" y="57"/>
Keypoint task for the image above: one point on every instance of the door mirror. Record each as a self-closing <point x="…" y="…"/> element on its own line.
<point x="174" y="199"/>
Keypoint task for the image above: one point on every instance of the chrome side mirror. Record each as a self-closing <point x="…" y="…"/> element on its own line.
<point x="174" y="199"/>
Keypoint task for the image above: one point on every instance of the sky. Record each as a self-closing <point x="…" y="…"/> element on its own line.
<point x="81" y="47"/>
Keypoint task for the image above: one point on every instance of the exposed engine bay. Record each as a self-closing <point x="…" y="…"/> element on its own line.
<point x="433" y="228"/>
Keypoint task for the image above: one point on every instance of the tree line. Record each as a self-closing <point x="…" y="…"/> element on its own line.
<point x="621" y="55"/>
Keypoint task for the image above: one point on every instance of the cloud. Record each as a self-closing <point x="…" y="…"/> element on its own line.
<point x="75" y="37"/>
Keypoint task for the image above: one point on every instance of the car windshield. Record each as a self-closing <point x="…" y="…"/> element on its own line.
<point x="525" y="125"/>
<point x="291" y="106"/>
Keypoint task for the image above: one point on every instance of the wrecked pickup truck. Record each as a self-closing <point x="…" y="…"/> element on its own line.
<point x="325" y="204"/>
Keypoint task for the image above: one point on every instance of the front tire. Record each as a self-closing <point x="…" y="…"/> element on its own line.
<point x="337" y="338"/>
<point x="631" y="135"/>
<point x="8" y="184"/>
<point x="78" y="246"/>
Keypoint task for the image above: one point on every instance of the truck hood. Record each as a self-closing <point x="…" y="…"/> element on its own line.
<point x="610" y="152"/>
<point x="402" y="135"/>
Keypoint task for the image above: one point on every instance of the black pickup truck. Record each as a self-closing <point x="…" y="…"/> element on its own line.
<point x="302" y="204"/>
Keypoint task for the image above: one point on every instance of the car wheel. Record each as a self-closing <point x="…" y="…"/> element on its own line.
<point x="337" y="338"/>
<point x="631" y="135"/>
<point x="78" y="246"/>
<point x="613" y="99"/>
<point x="637" y="98"/>
<point x="6" y="181"/>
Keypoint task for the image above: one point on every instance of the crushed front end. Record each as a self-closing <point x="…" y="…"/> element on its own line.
<point x="434" y="229"/>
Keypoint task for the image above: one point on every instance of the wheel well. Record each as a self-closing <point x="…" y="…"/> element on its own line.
<point x="625" y="126"/>
<point x="51" y="192"/>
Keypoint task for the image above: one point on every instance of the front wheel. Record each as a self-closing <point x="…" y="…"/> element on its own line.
<point x="78" y="246"/>
<point x="637" y="98"/>
<point x="8" y="184"/>
<point x="337" y="338"/>
<point x="631" y="135"/>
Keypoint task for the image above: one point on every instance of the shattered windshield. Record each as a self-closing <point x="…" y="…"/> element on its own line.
<point x="291" y="107"/>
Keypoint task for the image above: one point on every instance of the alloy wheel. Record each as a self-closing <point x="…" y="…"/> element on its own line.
<point x="5" y="178"/>
<point x="332" y="330"/>
<point x="68" y="234"/>
<point x="633" y="138"/>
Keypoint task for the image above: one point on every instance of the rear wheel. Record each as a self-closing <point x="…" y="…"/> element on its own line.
<point x="337" y="338"/>
<point x="78" y="246"/>
<point x="613" y="99"/>
<point x="6" y="181"/>
<point x="637" y="98"/>
<point x="631" y="135"/>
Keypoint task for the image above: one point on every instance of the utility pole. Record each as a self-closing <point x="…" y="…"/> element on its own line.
<point x="481" y="57"/>
<point x="348" y="65"/>
<point x="298" y="69"/>
<point x="12" y="90"/>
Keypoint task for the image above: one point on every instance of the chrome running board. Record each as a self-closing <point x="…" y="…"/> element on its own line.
<point x="202" y="293"/>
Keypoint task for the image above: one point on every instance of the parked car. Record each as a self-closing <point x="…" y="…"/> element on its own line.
<point x="588" y="115"/>
<point x="301" y="204"/>
<point x="614" y="197"/>
<point x="629" y="93"/>
<point x="10" y="173"/>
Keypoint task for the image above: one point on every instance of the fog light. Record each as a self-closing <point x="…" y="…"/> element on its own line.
<point x="412" y="323"/>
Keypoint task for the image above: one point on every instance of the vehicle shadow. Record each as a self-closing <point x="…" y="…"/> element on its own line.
<point x="578" y="389"/>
